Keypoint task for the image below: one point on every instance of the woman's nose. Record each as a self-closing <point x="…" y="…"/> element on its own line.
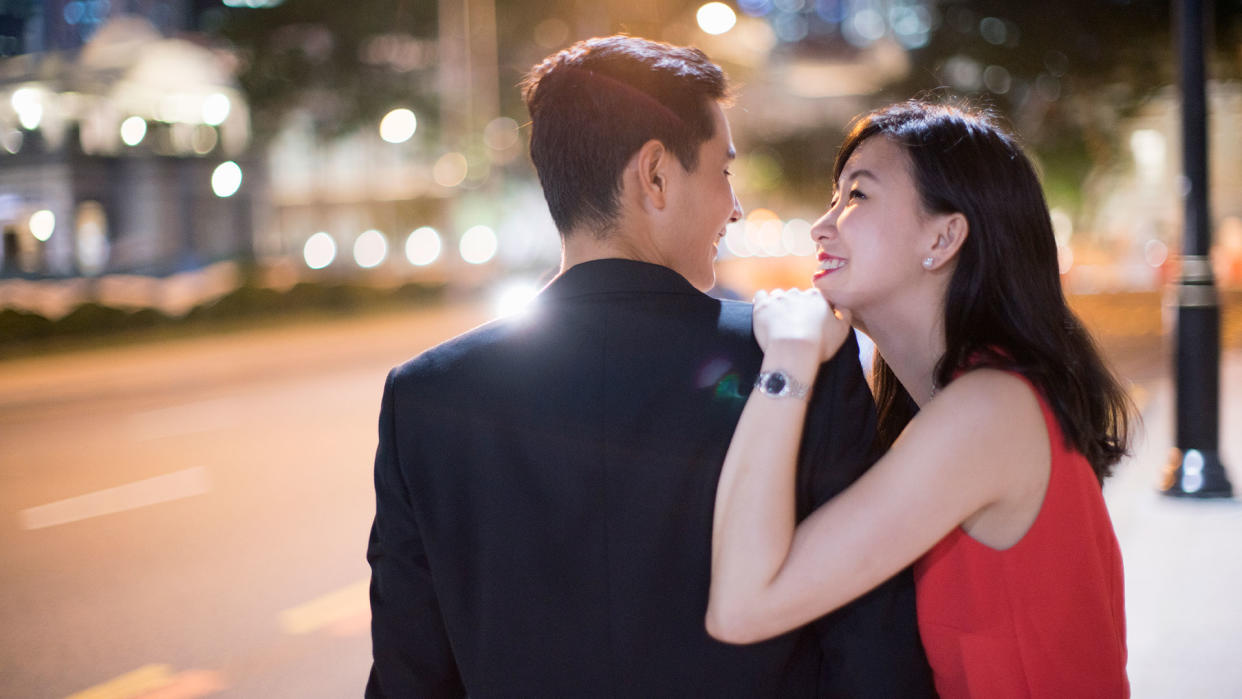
<point x="825" y="227"/>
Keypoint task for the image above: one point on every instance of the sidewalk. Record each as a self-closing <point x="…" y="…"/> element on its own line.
<point x="1183" y="557"/>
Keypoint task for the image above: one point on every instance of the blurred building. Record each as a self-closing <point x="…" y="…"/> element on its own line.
<point x="1135" y="206"/>
<point x="122" y="149"/>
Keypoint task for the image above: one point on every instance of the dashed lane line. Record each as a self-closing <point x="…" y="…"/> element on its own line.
<point x="131" y="684"/>
<point x="156" y="681"/>
<point x="335" y="609"/>
<point x="150" y="491"/>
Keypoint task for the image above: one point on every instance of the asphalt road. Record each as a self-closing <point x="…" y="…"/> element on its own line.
<point x="190" y="518"/>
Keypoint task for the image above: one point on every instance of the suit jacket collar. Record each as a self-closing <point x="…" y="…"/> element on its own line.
<point x="617" y="276"/>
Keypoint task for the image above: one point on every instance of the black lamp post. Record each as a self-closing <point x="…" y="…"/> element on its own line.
<point x="1195" y="469"/>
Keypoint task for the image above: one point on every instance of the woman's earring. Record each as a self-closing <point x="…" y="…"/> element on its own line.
<point x="928" y="262"/>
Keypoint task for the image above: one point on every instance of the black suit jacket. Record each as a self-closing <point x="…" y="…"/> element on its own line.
<point x="544" y="494"/>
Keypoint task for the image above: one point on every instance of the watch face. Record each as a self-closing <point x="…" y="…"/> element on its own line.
<point x="775" y="384"/>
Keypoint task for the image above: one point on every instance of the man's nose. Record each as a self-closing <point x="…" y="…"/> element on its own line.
<point x="737" y="210"/>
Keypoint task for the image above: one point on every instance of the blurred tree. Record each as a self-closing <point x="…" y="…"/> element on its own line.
<point x="14" y="14"/>
<point x="344" y="63"/>
<point x="347" y="63"/>
<point x="1064" y="73"/>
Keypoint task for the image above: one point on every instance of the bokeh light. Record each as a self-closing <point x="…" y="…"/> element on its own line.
<point x="29" y="107"/>
<point x="203" y="139"/>
<point x="11" y="140"/>
<point x="796" y="238"/>
<point x="133" y="130"/>
<point x="1065" y="258"/>
<point x="42" y="224"/>
<point x="216" y="109"/>
<point x="992" y="30"/>
<point x="867" y="26"/>
<point x="226" y="179"/>
<point x="92" y="239"/>
<point x="1155" y="252"/>
<point x="551" y="33"/>
<point x="450" y="169"/>
<point x="478" y="245"/>
<point x="735" y="239"/>
<point x="501" y="133"/>
<point x="1062" y="225"/>
<point x="763" y="233"/>
<point x="1148" y="147"/>
<point x="370" y="249"/>
<point x="716" y="18"/>
<point x="319" y="250"/>
<point x="398" y="126"/>
<point x="756" y="8"/>
<point x="997" y="79"/>
<point x="422" y="247"/>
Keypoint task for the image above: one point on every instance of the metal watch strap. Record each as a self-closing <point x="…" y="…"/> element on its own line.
<point x="779" y="384"/>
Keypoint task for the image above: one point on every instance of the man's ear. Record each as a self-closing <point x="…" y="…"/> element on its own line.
<point x="652" y="162"/>
<point x="951" y="231"/>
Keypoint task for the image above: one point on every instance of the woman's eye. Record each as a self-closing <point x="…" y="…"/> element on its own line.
<point x="857" y="194"/>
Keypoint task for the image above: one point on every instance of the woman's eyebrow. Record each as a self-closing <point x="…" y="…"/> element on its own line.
<point x="856" y="174"/>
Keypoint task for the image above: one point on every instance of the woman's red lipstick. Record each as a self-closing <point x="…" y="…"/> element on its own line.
<point x="827" y="265"/>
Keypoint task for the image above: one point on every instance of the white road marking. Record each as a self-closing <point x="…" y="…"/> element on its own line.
<point x="131" y="684"/>
<point x="332" y="607"/>
<point x="171" y="486"/>
<point x="190" y="418"/>
<point x="156" y="682"/>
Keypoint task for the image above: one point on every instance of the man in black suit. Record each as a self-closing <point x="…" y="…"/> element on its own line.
<point x="545" y="484"/>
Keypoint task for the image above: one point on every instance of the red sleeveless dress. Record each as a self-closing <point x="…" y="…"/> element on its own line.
<point x="1043" y="618"/>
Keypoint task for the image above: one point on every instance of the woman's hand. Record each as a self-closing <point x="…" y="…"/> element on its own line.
<point x="799" y="316"/>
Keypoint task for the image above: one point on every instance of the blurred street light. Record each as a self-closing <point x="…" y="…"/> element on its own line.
<point x="133" y="130"/>
<point x="398" y="126"/>
<point x="370" y="249"/>
<point x="319" y="250"/>
<point x="226" y="179"/>
<point x="216" y="108"/>
<point x="29" y="107"/>
<point x="716" y="18"/>
<point x="42" y="224"/>
<point x="422" y="247"/>
<point x="478" y="245"/>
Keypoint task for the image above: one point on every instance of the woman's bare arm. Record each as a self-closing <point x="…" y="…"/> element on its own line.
<point x="978" y="443"/>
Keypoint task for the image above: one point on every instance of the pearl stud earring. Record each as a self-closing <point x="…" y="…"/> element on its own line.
<point x="928" y="262"/>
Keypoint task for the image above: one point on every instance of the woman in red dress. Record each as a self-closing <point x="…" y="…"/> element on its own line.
<point x="998" y="422"/>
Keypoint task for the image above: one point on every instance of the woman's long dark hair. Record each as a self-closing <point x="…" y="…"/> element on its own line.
<point x="1004" y="307"/>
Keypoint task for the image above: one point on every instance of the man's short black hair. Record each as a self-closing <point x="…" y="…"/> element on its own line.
<point x="594" y="104"/>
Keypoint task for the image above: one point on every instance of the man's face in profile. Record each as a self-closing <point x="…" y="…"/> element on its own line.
<point x="701" y="204"/>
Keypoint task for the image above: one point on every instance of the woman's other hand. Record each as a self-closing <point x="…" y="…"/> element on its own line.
<point x="799" y="316"/>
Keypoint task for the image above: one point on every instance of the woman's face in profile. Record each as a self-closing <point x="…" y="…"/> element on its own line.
<point x="873" y="238"/>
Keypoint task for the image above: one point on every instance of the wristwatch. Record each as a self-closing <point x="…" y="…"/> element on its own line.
<point x="778" y="384"/>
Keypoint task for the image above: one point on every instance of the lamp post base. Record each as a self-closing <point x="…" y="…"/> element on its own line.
<point x="1195" y="474"/>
